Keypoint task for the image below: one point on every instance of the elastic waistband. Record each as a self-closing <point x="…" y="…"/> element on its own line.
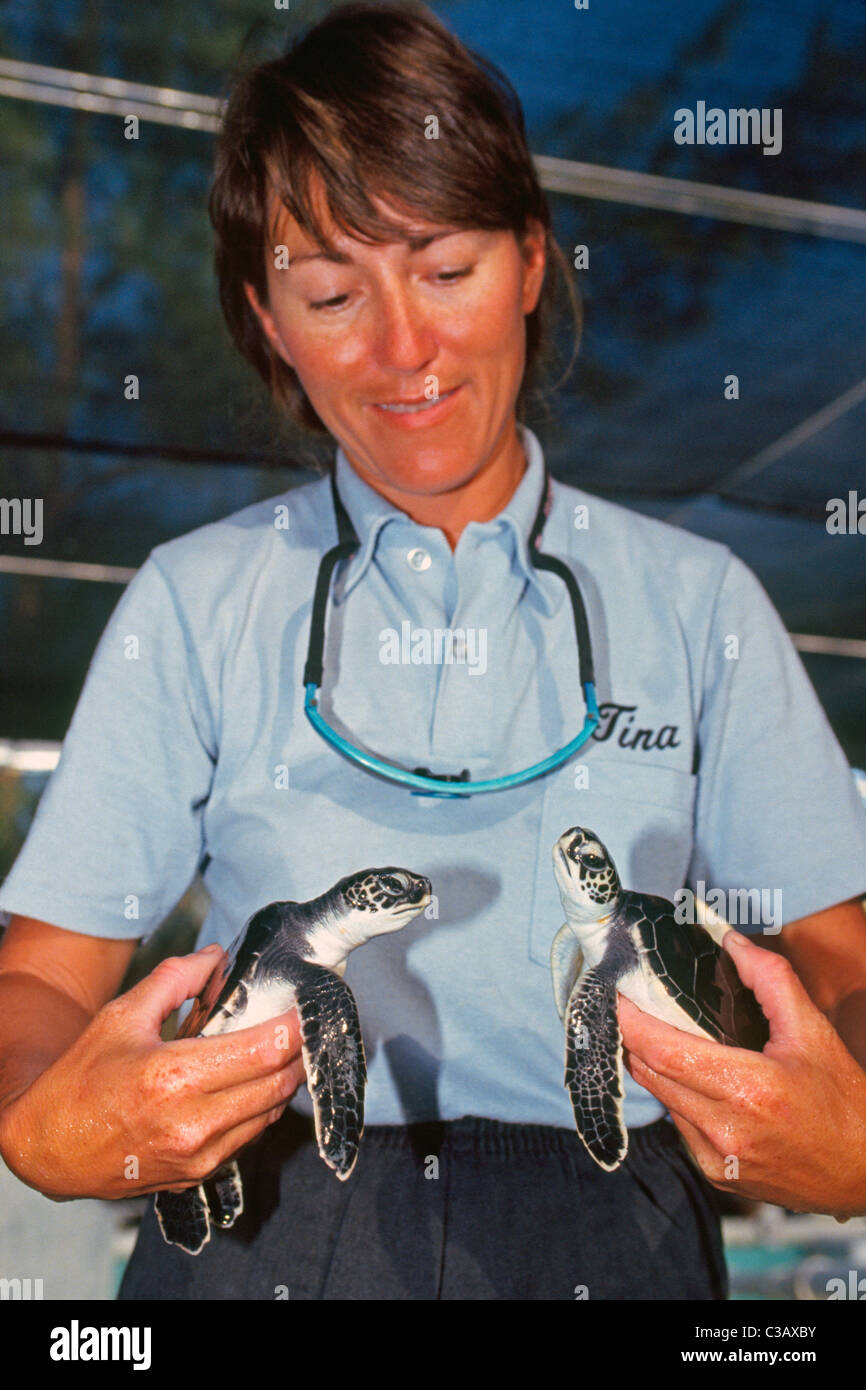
<point x="474" y="1134"/>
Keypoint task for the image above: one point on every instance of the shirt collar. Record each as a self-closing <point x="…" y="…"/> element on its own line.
<point x="369" y="512"/>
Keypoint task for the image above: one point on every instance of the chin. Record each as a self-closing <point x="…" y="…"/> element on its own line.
<point x="426" y="470"/>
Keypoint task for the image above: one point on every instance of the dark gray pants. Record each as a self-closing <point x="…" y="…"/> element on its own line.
<point x="468" y="1209"/>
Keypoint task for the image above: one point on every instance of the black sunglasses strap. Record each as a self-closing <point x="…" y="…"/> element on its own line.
<point x="348" y="542"/>
<point x="543" y="561"/>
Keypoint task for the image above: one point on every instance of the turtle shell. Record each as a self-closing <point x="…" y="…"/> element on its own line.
<point x="698" y="974"/>
<point x="254" y="956"/>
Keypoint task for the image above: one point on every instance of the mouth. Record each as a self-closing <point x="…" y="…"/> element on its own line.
<point x="421" y="406"/>
<point x="412" y="906"/>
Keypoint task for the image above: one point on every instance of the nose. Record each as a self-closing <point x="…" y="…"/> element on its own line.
<point x="405" y="340"/>
<point x="421" y="888"/>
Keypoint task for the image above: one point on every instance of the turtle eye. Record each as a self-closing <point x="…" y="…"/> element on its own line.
<point x="395" y="883"/>
<point x="592" y="861"/>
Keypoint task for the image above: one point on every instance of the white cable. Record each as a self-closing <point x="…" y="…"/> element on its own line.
<point x="701" y="199"/>
<point x="167" y="105"/>
<point x="65" y="569"/>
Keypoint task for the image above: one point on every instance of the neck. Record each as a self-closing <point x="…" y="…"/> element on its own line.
<point x="480" y="498"/>
<point x="580" y="917"/>
<point x="333" y="941"/>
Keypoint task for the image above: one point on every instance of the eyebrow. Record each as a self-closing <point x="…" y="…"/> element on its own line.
<point x="416" y="243"/>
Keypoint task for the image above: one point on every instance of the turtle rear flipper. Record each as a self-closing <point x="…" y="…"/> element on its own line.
<point x="333" y="1053"/>
<point x="183" y="1218"/>
<point x="225" y="1195"/>
<point x="593" y="1068"/>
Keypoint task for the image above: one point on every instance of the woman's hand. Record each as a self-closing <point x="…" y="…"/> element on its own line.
<point x="787" y="1125"/>
<point x="121" y="1112"/>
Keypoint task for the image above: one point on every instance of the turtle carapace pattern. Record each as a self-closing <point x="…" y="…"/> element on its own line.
<point x="293" y="955"/>
<point x="614" y="940"/>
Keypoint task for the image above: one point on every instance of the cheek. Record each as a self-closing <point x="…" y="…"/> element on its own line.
<point x="322" y="351"/>
<point x="490" y="322"/>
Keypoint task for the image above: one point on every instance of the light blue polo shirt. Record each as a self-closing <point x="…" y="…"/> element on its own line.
<point x="714" y="761"/>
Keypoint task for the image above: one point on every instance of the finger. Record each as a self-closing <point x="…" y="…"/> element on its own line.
<point x="228" y="1059"/>
<point x="224" y="1110"/>
<point x="775" y="985"/>
<point x="220" y="1151"/>
<point x="238" y="1138"/>
<point x="231" y="1143"/>
<point x="703" y="1066"/>
<point x="716" y="1167"/>
<point x="169" y="985"/>
<point x="236" y="1125"/>
<point x="690" y="1103"/>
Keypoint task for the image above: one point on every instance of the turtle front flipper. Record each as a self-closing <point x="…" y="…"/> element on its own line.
<point x="225" y="1195"/>
<point x="333" y="1053"/>
<point x="566" y="963"/>
<point x="593" y="1068"/>
<point x="183" y="1218"/>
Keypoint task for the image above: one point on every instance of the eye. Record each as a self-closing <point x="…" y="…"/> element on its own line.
<point x="592" y="861"/>
<point x="443" y="277"/>
<point x="335" y="303"/>
<point x="448" y="277"/>
<point x="393" y="884"/>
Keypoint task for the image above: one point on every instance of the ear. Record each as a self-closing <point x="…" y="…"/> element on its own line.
<point x="533" y="251"/>
<point x="266" y="320"/>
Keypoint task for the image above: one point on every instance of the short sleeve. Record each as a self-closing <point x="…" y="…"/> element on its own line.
<point x="117" y="835"/>
<point x="777" y="805"/>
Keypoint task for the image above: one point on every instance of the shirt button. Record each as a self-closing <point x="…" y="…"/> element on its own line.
<point x="419" y="559"/>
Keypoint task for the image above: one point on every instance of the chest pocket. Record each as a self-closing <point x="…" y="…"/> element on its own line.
<point x="643" y="813"/>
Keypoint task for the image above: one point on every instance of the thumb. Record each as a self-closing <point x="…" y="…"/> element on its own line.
<point x="169" y="984"/>
<point x="775" y="985"/>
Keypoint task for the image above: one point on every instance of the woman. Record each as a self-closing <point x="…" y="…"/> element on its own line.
<point x="382" y="248"/>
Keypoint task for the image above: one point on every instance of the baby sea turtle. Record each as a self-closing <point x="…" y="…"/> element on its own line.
<point x="293" y="955"/>
<point x="614" y="941"/>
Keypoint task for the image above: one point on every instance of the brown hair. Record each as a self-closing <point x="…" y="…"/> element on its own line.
<point x="349" y="104"/>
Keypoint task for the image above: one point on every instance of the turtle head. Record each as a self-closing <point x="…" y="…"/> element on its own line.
<point x="376" y="901"/>
<point x="585" y="875"/>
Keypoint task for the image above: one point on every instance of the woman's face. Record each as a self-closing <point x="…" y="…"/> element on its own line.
<point x="399" y="322"/>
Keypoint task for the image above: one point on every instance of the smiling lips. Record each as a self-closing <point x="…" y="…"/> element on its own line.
<point x="418" y="406"/>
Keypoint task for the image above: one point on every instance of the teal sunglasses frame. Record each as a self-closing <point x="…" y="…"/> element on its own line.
<point x="421" y="781"/>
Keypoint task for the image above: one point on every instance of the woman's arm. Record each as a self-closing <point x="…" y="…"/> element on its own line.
<point x="92" y="1102"/>
<point x="828" y="952"/>
<point x="52" y="982"/>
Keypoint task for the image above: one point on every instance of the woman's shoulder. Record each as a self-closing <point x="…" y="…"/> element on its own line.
<point x="610" y="534"/>
<point x="227" y="554"/>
